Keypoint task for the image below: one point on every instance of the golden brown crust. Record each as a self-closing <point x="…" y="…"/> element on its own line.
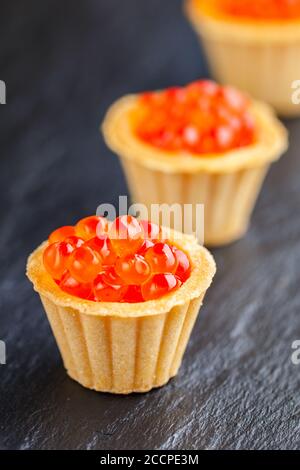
<point x="203" y="270"/>
<point x="117" y="129"/>
<point x="206" y="17"/>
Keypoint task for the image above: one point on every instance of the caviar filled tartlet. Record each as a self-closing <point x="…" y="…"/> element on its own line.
<point x="122" y="298"/>
<point x="252" y="44"/>
<point x="199" y="144"/>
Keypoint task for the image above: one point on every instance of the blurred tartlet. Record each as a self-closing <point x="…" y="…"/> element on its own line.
<point x="115" y="336"/>
<point x="253" y="45"/>
<point x="199" y="144"/>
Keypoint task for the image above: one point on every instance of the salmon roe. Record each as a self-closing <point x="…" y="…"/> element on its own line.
<point x="262" y="9"/>
<point x="123" y="261"/>
<point x="200" y="118"/>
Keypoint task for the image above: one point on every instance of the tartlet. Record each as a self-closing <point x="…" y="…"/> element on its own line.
<point x="259" y="55"/>
<point x="124" y="347"/>
<point x="227" y="183"/>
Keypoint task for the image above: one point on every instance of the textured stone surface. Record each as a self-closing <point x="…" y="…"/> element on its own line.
<point x="63" y="63"/>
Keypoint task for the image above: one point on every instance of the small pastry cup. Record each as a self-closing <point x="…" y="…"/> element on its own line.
<point x="226" y="185"/>
<point x="261" y="58"/>
<point x="120" y="347"/>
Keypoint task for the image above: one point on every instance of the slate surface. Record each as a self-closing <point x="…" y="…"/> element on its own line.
<point x="63" y="63"/>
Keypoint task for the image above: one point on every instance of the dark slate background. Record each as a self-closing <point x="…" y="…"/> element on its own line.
<point x="64" y="62"/>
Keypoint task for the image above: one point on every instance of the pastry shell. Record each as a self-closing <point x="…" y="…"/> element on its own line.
<point x="260" y="57"/>
<point x="120" y="347"/>
<point x="227" y="185"/>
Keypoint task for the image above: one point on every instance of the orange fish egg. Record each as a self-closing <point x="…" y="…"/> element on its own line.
<point x="133" y="269"/>
<point x="161" y="258"/>
<point x="107" y="291"/>
<point x="72" y="286"/>
<point x="90" y="227"/>
<point x="61" y="233"/>
<point x="159" y="285"/>
<point x="183" y="270"/>
<point x="55" y="258"/>
<point x="84" y="264"/>
<point x="151" y="230"/>
<point x="126" y="235"/>
<point x="103" y="247"/>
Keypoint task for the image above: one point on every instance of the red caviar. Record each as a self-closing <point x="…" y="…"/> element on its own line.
<point x="158" y="285"/>
<point x="183" y="270"/>
<point x="133" y="269"/>
<point x="103" y="246"/>
<point x="74" y="241"/>
<point x="262" y="9"/>
<point x="107" y="291"/>
<point x="133" y="294"/>
<point x="161" y="258"/>
<point x="72" y="286"/>
<point x="151" y="231"/>
<point x="126" y="235"/>
<point x="61" y="233"/>
<point x="147" y="243"/>
<point x="55" y="258"/>
<point x="84" y="264"/>
<point x="91" y="226"/>
<point x="126" y="262"/>
<point x="200" y="118"/>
